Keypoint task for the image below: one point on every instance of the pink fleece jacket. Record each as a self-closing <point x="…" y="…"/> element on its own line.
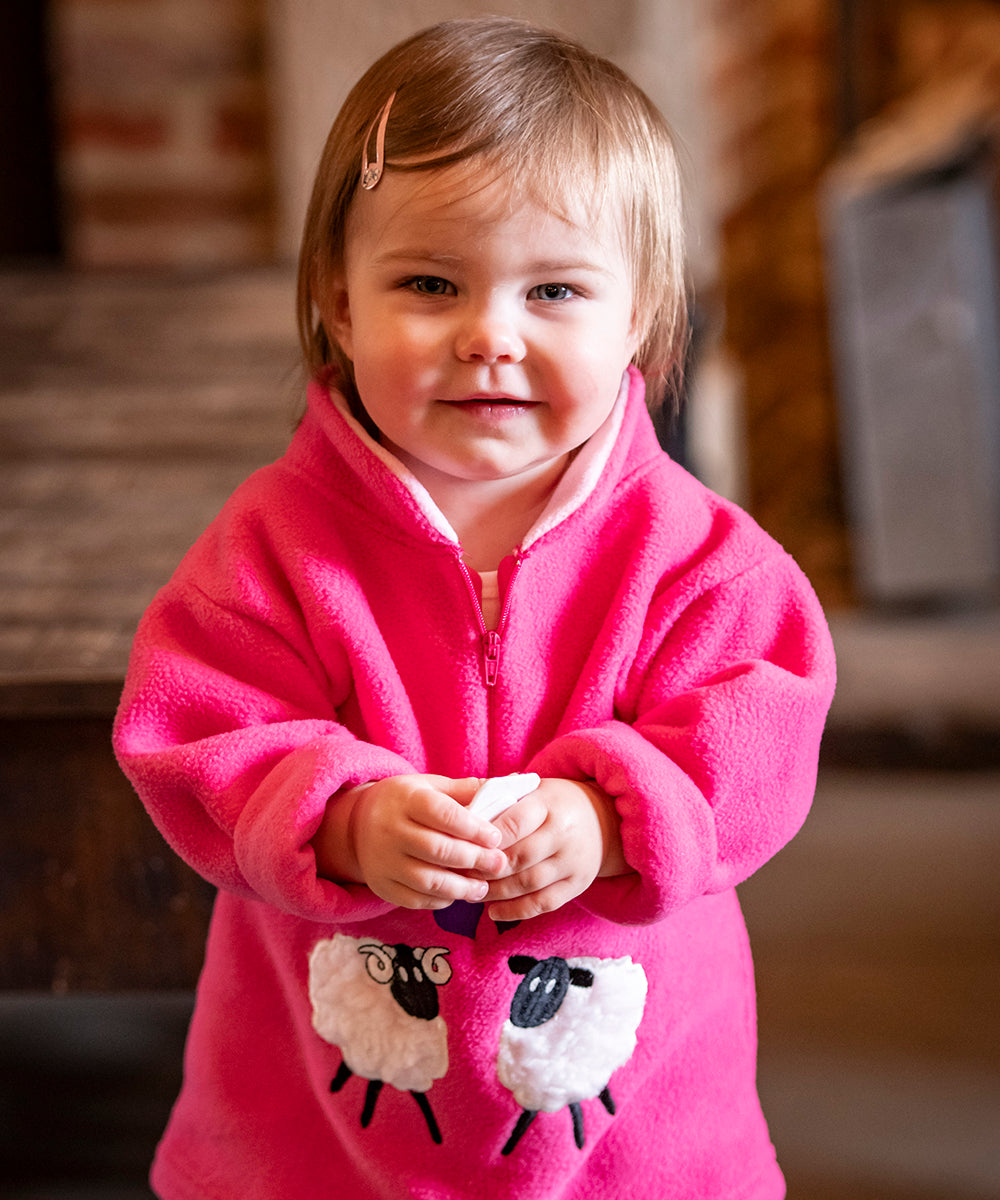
<point x="324" y="632"/>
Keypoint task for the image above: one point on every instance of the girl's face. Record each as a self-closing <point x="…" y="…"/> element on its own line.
<point x="488" y="335"/>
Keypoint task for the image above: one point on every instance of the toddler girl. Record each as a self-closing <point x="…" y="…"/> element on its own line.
<point x="473" y="562"/>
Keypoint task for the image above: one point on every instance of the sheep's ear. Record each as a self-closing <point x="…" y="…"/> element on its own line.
<point x="521" y="964"/>
<point x="581" y="977"/>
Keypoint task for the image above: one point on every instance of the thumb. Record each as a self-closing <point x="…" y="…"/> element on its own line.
<point x="463" y="790"/>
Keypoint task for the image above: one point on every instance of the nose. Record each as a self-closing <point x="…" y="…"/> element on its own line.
<point x="488" y="334"/>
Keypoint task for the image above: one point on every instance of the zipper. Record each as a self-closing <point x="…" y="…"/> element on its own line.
<point x="492" y="642"/>
<point x="491" y="656"/>
<point x="492" y="639"/>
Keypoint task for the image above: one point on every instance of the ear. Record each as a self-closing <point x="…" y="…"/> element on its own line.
<point x="335" y="309"/>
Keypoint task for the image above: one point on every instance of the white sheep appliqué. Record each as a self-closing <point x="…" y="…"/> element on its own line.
<point x="378" y="1003"/>
<point x="573" y="1023"/>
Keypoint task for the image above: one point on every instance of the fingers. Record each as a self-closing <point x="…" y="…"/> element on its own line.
<point x="420" y="803"/>
<point x="542" y="825"/>
<point x="521" y="821"/>
<point x="447" y="811"/>
<point x="546" y="874"/>
<point x="462" y="790"/>
<point x="543" y="882"/>
<point x="417" y="882"/>
<point x="452" y="853"/>
<point x="419" y="847"/>
<point x="554" y="843"/>
<point x="425" y="889"/>
<point x="523" y="907"/>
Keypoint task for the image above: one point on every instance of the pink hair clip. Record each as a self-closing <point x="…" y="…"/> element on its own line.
<point x="371" y="173"/>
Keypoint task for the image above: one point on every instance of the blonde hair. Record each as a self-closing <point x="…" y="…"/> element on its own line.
<point x="542" y="113"/>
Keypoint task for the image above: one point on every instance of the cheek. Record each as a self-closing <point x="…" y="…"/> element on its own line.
<point x="602" y="359"/>
<point x="392" y="365"/>
<point x="398" y="342"/>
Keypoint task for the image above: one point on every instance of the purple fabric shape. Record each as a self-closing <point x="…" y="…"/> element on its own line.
<point x="460" y="917"/>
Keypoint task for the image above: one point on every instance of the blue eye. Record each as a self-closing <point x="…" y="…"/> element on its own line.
<point x="552" y="291"/>
<point x="431" y="285"/>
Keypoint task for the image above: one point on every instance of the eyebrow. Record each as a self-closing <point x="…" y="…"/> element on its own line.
<point x="416" y="254"/>
<point x="554" y="267"/>
<point x="557" y="266"/>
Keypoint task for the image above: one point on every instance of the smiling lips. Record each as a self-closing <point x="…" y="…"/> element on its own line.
<point x="492" y="405"/>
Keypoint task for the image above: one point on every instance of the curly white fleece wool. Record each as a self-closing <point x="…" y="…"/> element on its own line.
<point x="377" y="1038"/>
<point x="572" y="1056"/>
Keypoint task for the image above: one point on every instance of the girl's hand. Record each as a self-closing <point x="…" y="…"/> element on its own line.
<point x="410" y="838"/>
<point x="558" y="840"/>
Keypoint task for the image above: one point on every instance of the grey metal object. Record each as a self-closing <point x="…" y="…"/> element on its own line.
<point x="916" y="318"/>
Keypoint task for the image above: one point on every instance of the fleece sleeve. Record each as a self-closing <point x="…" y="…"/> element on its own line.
<point x="712" y="765"/>
<point x="227" y="729"/>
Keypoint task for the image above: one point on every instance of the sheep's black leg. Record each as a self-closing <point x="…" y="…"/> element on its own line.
<point x="344" y="1073"/>
<point x="577" y="1113"/>
<point x="523" y="1121"/>
<point x="425" y="1107"/>
<point x="608" y="1101"/>
<point x="374" y="1087"/>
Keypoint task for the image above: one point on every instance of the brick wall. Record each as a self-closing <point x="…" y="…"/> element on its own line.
<point x="936" y="41"/>
<point x="163" y="131"/>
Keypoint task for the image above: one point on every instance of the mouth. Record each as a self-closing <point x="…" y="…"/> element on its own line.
<point x="492" y="405"/>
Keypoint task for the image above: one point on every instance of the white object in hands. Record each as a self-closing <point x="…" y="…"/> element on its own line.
<point x="497" y="795"/>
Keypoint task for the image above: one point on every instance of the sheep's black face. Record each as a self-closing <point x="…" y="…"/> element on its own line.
<point x="412" y="990"/>
<point x="541" y="991"/>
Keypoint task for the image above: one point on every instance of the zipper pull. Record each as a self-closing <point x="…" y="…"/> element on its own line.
<point x="492" y="649"/>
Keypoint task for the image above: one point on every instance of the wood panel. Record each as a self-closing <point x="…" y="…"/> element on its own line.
<point x="130" y="407"/>
<point x="91" y="898"/>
